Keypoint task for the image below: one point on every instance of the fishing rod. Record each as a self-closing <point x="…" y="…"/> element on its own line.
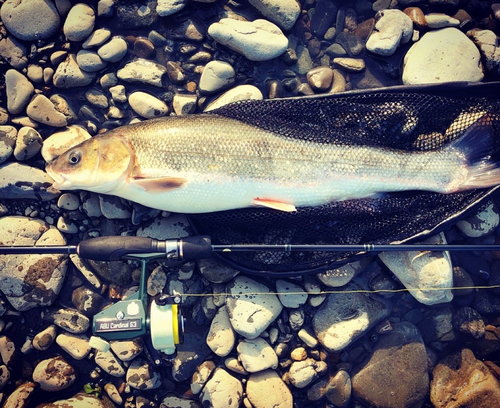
<point x="114" y="248"/>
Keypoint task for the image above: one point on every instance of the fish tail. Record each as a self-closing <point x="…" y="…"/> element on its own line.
<point x="476" y="146"/>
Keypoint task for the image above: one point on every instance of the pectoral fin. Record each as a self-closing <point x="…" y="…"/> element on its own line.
<point x="158" y="185"/>
<point x="275" y="205"/>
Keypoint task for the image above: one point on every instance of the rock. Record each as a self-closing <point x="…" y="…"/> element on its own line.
<point x="114" y="50"/>
<point x="87" y="301"/>
<point x="69" y="320"/>
<point x="307" y="337"/>
<point x="469" y="321"/>
<point x="302" y="373"/>
<point x="4" y="376"/>
<point x="459" y="61"/>
<point x="200" y="377"/>
<point x="8" y="137"/>
<point x="250" y="312"/>
<point x="216" y="76"/>
<point x="30" y="20"/>
<point x="113" y="393"/>
<point x="90" y="61"/>
<point x="20" y="397"/>
<point x="175" y="73"/>
<point x="184" y="104"/>
<point x="482" y="224"/>
<point x="113" y="208"/>
<point x="63" y="140"/>
<point x="127" y="350"/>
<point x="440" y="20"/>
<point x="118" y="93"/>
<point x="136" y="14"/>
<point x="238" y="93"/>
<point x="35" y="73"/>
<point x="141" y="377"/>
<point x="284" y="13"/>
<point x="342" y="275"/>
<point x="324" y="17"/>
<point x="221" y="337"/>
<point x="8" y="351"/>
<point x="459" y="380"/>
<point x="169" y="7"/>
<point x="147" y="105"/>
<point x="97" y="38"/>
<point x="171" y="400"/>
<point x="76" y="345"/>
<point x="43" y="110"/>
<point x="320" y="78"/>
<point x="14" y="52"/>
<point x="142" y="71"/>
<point x="419" y="271"/>
<point x="392" y="28"/>
<point x="353" y="44"/>
<point x="156" y="281"/>
<point x="109" y="363"/>
<point x="339" y="389"/>
<point x="256" y="355"/>
<point x="222" y="391"/>
<point x="80" y="400"/>
<point x="68" y="201"/>
<point x="79" y="22"/>
<point x="18" y="181"/>
<point x="350" y="64"/>
<point x="28" y="143"/>
<point x="43" y="340"/>
<point x="19" y="90"/>
<point x="30" y="281"/>
<point x="290" y="294"/>
<point x="69" y="74"/>
<point x="437" y="325"/>
<point x="188" y="30"/>
<point x="383" y="379"/>
<point x="175" y="225"/>
<point x="259" y="40"/>
<point x="54" y="374"/>
<point x="417" y="16"/>
<point x="344" y="317"/>
<point x="266" y="389"/>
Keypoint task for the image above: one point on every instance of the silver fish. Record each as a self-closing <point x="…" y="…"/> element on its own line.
<point x="204" y="163"/>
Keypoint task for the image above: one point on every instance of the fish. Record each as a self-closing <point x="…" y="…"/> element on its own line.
<point x="207" y="162"/>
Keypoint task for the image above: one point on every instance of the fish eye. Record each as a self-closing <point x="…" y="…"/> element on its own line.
<point x="74" y="158"/>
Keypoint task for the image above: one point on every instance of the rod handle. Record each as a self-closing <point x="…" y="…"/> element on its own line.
<point x="196" y="247"/>
<point x="113" y="248"/>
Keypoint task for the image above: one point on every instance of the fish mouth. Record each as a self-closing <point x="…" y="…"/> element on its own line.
<point x="59" y="179"/>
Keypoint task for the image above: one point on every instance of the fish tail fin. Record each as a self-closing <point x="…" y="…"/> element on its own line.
<point x="476" y="146"/>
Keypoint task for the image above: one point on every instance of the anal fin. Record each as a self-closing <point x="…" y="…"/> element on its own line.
<point x="274" y="204"/>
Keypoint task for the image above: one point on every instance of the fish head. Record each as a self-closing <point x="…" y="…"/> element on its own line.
<point x="100" y="164"/>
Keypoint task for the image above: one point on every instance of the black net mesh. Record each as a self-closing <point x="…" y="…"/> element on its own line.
<point x="408" y="118"/>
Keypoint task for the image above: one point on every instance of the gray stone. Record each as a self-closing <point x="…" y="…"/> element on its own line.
<point x="290" y="294"/>
<point x="469" y="321"/>
<point x="87" y="301"/>
<point x="250" y="307"/>
<point x="114" y="50"/>
<point x="221" y="337"/>
<point x="136" y="13"/>
<point x="222" y="391"/>
<point x="303" y="373"/>
<point x="54" y="374"/>
<point x="142" y="71"/>
<point x="147" y="105"/>
<point x="284" y="13"/>
<point x="35" y="73"/>
<point x="169" y="7"/>
<point x="171" y="400"/>
<point x="113" y="208"/>
<point x="14" y="52"/>
<point x="30" y="281"/>
<point x="141" y="376"/>
<point x="43" y="110"/>
<point x="482" y="224"/>
<point x="459" y="59"/>
<point x="344" y="317"/>
<point x="70" y="320"/>
<point x="256" y="355"/>
<point x="325" y="13"/>
<point x="238" y="93"/>
<point x="90" y="61"/>
<point x="69" y="74"/>
<point x="30" y="20"/>
<point x="97" y="38"/>
<point x="109" y="363"/>
<point x="259" y="40"/>
<point x="383" y="380"/>
<point x="157" y="280"/>
<point x="105" y="8"/>
<point x="173" y="226"/>
<point x="18" y="181"/>
<point x="118" y="93"/>
<point x="79" y="22"/>
<point x="392" y="28"/>
<point x="342" y="275"/>
<point x="19" y="90"/>
<point x="76" y="345"/>
<point x="339" y="389"/>
<point x="216" y="76"/>
<point x="266" y="389"/>
<point x="28" y="143"/>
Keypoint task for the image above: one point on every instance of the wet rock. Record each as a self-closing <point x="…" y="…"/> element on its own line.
<point x="69" y="320"/>
<point x="30" y="20"/>
<point x="421" y="270"/>
<point x="284" y="13"/>
<point x="69" y="74"/>
<point x="116" y="271"/>
<point x="461" y="380"/>
<point x="344" y="317"/>
<point x="28" y="143"/>
<point x="256" y="355"/>
<point x="383" y="379"/>
<point x="459" y="61"/>
<point x="339" y="389"/>
<point x="469" y="321"/>
<point x="320" y="78"/>
<point x="266" y="389"/>
<point x="76" y="345"/>
<point x="8" y="351"/>
<point x="127" y="350"/>
<point x="221" y="337"/>
<point x="54" y="374"/>
<point x="109" y="363"/>
<point x="142" y="71"/>
<point x="238" y="93"/>
<point x="250" y="313"/>
<point x="325" y="13"/>
<point x="43" y="340"/>
<point x="147" y="105"/>
<point x="437" y="325"/>
<point x="19" y="90"/>
<point x="222" y="391"/>
<point x="259" y="40"/>
<point x="342" y="275"/>
<point x="30" y="281"/>
<point x="392" y="28"/>
<point x="141" y="377"/>
<point x="481" y="224"/>
<point x="303" y="373"/>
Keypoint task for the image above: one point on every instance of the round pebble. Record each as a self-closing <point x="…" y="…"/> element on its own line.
<point x="90" y="61"/>
<point x="54" y="374"/>
<point x="147" y="105"/>
<point x="8" y="137"/>
<point x="69" y="74"/>
<point x="141" y="376"/>
<point x="97" y="38"/>
<point x="79" y="22"/>
<point x="28" y="143"/>
<point x="76" y="345"/>
<point x="114" y="50"/>
<point x="19" y="90"/>
<point x="216" y="76"/>
<point x="109" y="363"/>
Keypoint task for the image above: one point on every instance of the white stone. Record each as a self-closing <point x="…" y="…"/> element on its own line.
<point x="487" y="42"/>
<point x="259" y="40"/>
<point x="147" y="105"/>
<point x="256" y="355"/>
<point x="238" y="93"/>
<point x="98" y="37"/>
<point x="441" y="56"/>
<point x="90" y="61"/>
<point x="54" y="374"/>
<point x="109" y="363"/>
<point x="114" y="50"/>
<point x="168" y="7"/>
<point x="28" y="143"/>
<point x="79" y="22"/>
<point x="282" y="12"/>
<point x="302" y="373"/>
<point x="428" y="275"/>
<point x="76" y="345"/>
<point x="392" y="28"/>
<point x="266" y="389"/>
<point x="216" y="76"/>
<point x="290" y="294"/>
<point x="221" y="337"/>
<point x="440" y="20"/>
<point x="69" y="74"/>
<point x="222" y="391"/>
<point x="143" y="71"/>
<point x="482" y="224"/>
<point x="62" y="141"/>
